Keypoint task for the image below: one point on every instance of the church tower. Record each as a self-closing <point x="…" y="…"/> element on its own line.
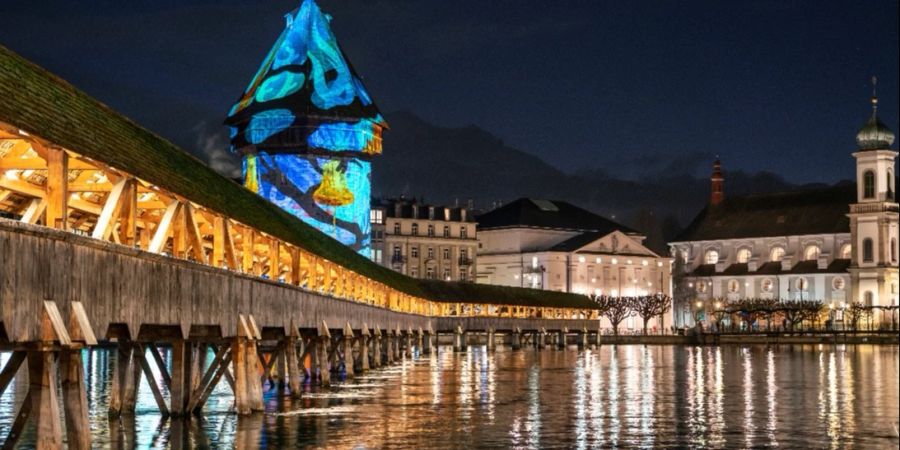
<point x="306" y="129"/>
<point x="874" y="216"/>
<point x="717" y="184"/>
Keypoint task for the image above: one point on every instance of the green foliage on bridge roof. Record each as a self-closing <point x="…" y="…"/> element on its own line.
<point x="45" y="105"/>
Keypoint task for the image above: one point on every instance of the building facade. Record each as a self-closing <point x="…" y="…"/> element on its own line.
<point x="424" y="241"/>
<point x="837" y="244"/>
<point x="554" y="245"/>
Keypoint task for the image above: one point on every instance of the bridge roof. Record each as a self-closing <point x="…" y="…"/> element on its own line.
<point x="45" y="105"/>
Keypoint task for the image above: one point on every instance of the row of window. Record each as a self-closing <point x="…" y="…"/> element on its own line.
<point x="430" y="274"/>
<point x="776" y="254"/>
<point x="414" y="252"/>
<point x="414" y="231"/>
<point x="768" y="285"/>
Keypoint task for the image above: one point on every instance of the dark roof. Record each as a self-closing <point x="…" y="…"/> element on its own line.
<point x="772" y="268"/>
<point x="43" y="104"/>
<point x="553" y="214"/>
<point x="818" y="211"/>
<point x="402" y="208"/>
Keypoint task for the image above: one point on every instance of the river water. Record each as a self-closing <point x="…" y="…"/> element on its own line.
<point x="616" y="396"/>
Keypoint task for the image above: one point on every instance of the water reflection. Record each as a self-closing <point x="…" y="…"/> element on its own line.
<point x="625" y="396"/>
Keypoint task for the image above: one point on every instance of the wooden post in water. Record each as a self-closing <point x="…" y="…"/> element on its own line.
<point x="490" y="339"/>
<point x="364" y="349"/>
<point x="398" y="338"/>
<point x="561" y="339"/>
<point x="516" y="338"/>
<point x="583" y="341"/>
<point x="348" y="350"/>
<point x="71" y="366"/>
<point x="376" y="351"/>
<point x="132" y="379"/>
<point x="180" y="380"/>
<point x="239" y="361"/>
<point x="254" y="386"/>
<point x="322" y="342"/>
<point x="120" y="377"/>
<point x="459" y="342"/>
<point x="409" y="351"/>
<point x="542" y="333"/>
<point x="420" y="337"/>
<point x="293" y="362"/>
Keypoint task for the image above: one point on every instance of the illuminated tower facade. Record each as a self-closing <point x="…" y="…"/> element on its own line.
<point x="874" y="216"/>
<point x="306" y="129"/>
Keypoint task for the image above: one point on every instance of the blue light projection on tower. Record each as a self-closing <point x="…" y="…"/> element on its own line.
<point x="307" y="128"/>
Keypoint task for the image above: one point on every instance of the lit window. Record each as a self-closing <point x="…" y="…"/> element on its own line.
<point x="447" y="274"/>
<point x="743" y="256"/>
<point x="802" y="284"/>
<point x="845" y="251"/>
<point x="811" y="253"/>
<point x="701" y="287"/>
<point x="777" y="254"/>
<point x="376" y="216"/>
<point x="838" y="283"/>
<point x="534" y="262"/>
<point x="869" y="184"/>
<point x="734" y="286"/>
<point x="869" y="298"/>
<point x="712" y="257"/>
<point x="429" y="273"/>
<point x="768" y="285"/>
<point x="868" y="250"/>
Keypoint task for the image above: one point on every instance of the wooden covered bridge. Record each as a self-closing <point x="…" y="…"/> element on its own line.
<point x="111" y="235"/>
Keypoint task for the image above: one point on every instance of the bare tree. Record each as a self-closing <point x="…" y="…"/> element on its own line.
<point x="650" y="306"/>
<point x="615" y="309"/>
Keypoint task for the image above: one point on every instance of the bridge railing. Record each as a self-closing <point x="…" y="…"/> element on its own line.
<point x="44" y="184"/>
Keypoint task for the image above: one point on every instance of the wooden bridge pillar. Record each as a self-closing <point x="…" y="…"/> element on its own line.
<point x="561" y="338"/>
<point x="322" y="359"/>
<point x="541" y="336"/>
<point x="459" y="339"/>
<point x="409" y="350"/>
<point x="420" y="338"/>
<point x="348" y="351"/>
<point x="122" y="388"/>
<point x="293" y="362"/>
<point x="239" y="359"/>
<point x="376" y="350"/>
<point x="583" y="341"/>
<point x="364" y="349"/>
<point x="389" y="347"/>
<point x="398" y="341"/>
<point x="599" y="337"/>
<point x="516" y="339"/>
<point x="75" y="405"/>
<point x="490" y="339"/>
<point x="247" y="387"/>
<point x="42" y="399"/>
<point x="181" y="377"/>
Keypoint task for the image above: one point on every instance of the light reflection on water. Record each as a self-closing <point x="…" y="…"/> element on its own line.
<point x="627" y="396"/>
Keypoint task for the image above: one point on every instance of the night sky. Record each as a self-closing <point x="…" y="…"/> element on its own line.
<point x="625" y="86"/>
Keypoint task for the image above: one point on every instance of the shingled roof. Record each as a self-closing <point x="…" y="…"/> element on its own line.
<point x="817" y="211"/>
<point x="44" y="105"/>
<point x="552" y="214"/>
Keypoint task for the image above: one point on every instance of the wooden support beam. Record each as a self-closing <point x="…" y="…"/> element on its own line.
<point x="75" y="405"/>
<point x="161" y="365"/>
<point x="230" y="253"/>
<point x="44" y="403"/>
<point x="151" y="380"/>
<point x="110" y="213"/>
<point x="193" y="234"/>
<point x="220" y="371"/>
<point x="204" y="384"/>
<point x="161" y="235"/>
<point x="274" y="259"/>
<point x="218" y="253"/>
<point x="129" y="215"/>
<point x="57" y="192"/>
<point x="247" y="238"/>
<point x="34" y="211"/>
<point x="9" y="371"/>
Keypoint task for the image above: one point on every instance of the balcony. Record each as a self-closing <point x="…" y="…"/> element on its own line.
<point x="398" y="259"/>
<point x="873" y="208"/>
<point x="465" y="261"/>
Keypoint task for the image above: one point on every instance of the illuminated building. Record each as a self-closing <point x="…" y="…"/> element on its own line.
<point x="800" y="245"/>
<point x="306" y="129"/>
<point x="424" y="241"/>
<point x="554" y="245"/>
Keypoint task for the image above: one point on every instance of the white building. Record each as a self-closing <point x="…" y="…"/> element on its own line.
<point x="554" y="245"/>
<point x="837" y="245"/>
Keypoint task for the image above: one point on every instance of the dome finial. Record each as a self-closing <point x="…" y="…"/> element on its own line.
<point x="874" y="135"/>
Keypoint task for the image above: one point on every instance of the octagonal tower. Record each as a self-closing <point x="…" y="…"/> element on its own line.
<point x="306" y="129"/>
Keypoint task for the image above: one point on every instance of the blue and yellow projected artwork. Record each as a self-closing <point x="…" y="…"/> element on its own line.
<point x="307" y="128"/>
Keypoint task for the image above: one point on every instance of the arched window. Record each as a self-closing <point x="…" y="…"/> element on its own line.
<point x="701" y="287"/>
<point x="868" y="250"/>
<point x="734" y="286"/>
<point x="743" y="256"/>
<point x="415" y="229"/>
<point x="712" y="257"/>
<point x="767" y="285"/>
<point x="869" y="298"/>
<point x="869" y="184"/>
<point x="811" y="253"/>
<point x="890" y="185"/>
<point x="777" y="254"/>
<point x="846" y="250"/>
<point x="802" y="284"/>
